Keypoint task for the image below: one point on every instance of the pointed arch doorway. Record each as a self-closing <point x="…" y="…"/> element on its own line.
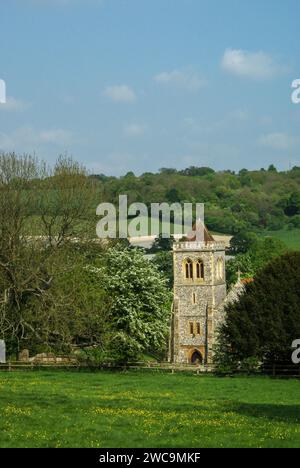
<point x="196" y="357"/>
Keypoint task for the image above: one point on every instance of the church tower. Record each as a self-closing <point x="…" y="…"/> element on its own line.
<point x="199" y="291"/>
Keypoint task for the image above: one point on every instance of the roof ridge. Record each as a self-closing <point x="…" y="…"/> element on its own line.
<point x="200" y="230"/>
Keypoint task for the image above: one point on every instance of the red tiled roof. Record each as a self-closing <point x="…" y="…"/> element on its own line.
<point x="247" y="280"/>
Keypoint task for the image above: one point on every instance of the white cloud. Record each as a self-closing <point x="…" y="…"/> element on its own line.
<point x="134" y="130"/>
<point x="28" y="139"/>
<point x="279" y="141"/>
<point x="13" y="104"/>
<point x="255" y="65"/>
<point x="186" y="79"/>
<point x="120" y="93"/>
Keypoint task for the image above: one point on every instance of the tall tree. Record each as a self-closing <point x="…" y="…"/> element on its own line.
<point x="265" y="320"/>
<point x="57" y="199"/>
<point x="139" y="303"/>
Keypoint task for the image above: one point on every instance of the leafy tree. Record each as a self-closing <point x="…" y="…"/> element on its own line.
<point x="266" y="319"/>
<point x="61" y="199"/>
<point x="164" y="264"/>
<point x="168" y="170"/>
<point x="242" y="242"/>
<point x="173" y="196"/>
<point x="261" y="252"/>
<point x="130" y="174"/>
<point x="193" y="171"/>
<point x="295" y="221"/>
<point x="292" y="207"/>
<point x="139" y="304"/>
<point x="162" y="244"/>
<point x="71" y="313"/>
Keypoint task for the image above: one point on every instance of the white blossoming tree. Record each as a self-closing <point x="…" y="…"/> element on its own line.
<point x="139" y="304"/>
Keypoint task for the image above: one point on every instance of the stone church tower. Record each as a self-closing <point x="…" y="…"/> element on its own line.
<point x="199" y="292"/>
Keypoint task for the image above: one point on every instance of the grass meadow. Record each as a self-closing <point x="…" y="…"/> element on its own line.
<point x="291" y="237"/>
<point x="147" y="409"/>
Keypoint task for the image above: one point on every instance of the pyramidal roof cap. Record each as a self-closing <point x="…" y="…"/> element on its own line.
<point x="200" y="232"/>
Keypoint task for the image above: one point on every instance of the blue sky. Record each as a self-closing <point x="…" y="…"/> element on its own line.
<point x="136" y="85"/>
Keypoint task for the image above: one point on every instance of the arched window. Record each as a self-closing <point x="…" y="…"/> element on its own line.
<point x="200" y="270"/>
<point x="188" y="269"/>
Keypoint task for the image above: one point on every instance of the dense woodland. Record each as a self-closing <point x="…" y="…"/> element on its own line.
<point x="247" y="200"/>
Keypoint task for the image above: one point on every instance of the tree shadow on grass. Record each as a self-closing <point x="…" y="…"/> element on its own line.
<point x="280" y="413"/>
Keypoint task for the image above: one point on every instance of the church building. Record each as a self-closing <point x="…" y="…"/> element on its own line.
<point x="199" y="293"/>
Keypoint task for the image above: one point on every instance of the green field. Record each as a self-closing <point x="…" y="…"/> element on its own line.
<point x="68" y="409"/>
<point x="290" y="237"/>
